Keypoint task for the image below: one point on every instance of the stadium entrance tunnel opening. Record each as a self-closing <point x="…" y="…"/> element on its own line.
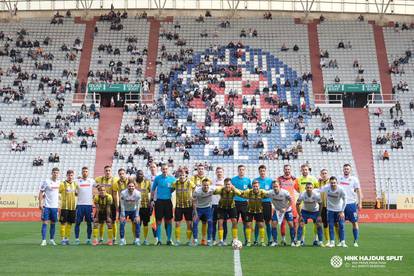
<point x="112" y="99"/>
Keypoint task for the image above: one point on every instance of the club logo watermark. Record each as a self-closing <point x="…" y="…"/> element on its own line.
<point x="364" y="261"/>
<point x="336" y="261"/>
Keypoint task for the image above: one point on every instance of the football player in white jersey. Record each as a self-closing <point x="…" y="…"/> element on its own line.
<point x="311" y="209"/>
<point x="352" y="189"/>
<point x="336" y="202"/>
<point x="130" y="203"/>
<point x="84" y="191"/>
<point x="281" y="201"/>
<point x="202" y="199"/>
<point x="49" y="204"/>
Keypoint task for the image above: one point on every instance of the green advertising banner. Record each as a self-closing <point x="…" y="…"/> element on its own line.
<point x="113" y="87"/>
<point x="357" y="88"/>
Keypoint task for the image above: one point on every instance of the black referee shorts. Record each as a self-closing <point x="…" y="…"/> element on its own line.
<point x="258" y="217"/>
<point x="187" y="213"/>
<point x="67" y="216"/>
<point x="144" y="215"/>
<point x="267" y="211"/>
<point x="226" y="213"/>
<point x="241" y="207"/>
<point x="163" y="209"/>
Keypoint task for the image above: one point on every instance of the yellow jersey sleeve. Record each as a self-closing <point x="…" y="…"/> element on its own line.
<point x="110" y="200"/>
<point x="96" y="199"/>
<point x="61" y="187"/>
<point x="217" y="191"/>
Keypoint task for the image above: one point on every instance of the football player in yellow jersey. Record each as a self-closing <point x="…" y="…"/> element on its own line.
<point x="300" y="187"/>
<point x="103" y="203"/>
<point x="198" y="178"/>
<point x="183" y="204"/>
<point x="254" y="211"/>
<point x="324" y="180"/>
<point x="121" y="185"/>
<point x="67" y="216"/>
<point x="227" y="208"/>
<point x="110" y="183"/>
<point x="144" y="186"/>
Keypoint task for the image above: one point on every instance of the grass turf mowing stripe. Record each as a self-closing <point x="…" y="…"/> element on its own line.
<point x="237" y="264"/>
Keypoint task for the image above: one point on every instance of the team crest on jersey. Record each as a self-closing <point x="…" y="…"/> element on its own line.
<point x="242" y="77"/>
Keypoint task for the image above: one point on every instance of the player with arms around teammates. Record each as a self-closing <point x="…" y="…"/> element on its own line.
<point x="48" y="205"/>
<point x="183" y="188"/>
<point x="144" y="187"/>
<point x="281" y="201"/>
<point x="255" y="196"/>
<point x="336" y="204"/>
<point x="67" y="191"/>
<point x="130" y="201"/>
<point x="202" y="204"/>
<point x="311" y="209"/>
<point x="84" y="191"/>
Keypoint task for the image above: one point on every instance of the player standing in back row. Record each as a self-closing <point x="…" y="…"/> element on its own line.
<point x="84" y="191"/>
<point x="265" y="184"/>
<point x="242" y="183"/>
<point x="163" y="205"/>
<point x="352" y="189"/>
<point x="67" y="191"/>
<point x="49" y="204"/>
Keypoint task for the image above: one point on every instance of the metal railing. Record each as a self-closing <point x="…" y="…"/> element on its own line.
<point x="376" y="98"/>
<point x="328" y="98"/>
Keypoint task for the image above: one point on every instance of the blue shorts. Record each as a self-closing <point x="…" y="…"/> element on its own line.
<point x="351" y="212"/>
<point x="50" y="214"/>
<point x="83" y="211"/>
<point x="205" y="214"/>
<point x="288" y="216"/>
<point x="333" y="216"/>
<point x="131" y="215"/>
<point x="309" y="215"/>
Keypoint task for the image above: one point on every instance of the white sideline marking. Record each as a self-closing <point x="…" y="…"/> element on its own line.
<point x="237" y="264"/>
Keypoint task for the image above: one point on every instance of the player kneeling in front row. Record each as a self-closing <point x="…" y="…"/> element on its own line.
<point x="103" y="202"/>
<point x="281" y="201"/>
<point x="336" y="203"/>
<point x="202" y="198"/>
<point x="130" y="203"/>
<point x="312" y="206"/>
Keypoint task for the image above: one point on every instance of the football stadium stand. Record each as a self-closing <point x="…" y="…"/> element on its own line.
<point x="214" y="90"/>
<point x="39" y="72"/>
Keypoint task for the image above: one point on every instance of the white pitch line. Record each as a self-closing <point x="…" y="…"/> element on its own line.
<point x="237" y="264"/>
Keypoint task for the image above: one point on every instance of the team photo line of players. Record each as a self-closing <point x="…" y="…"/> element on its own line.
<point x="327" y="201"/>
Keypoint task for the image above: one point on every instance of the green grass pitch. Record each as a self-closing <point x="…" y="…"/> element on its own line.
<point x="21" y="254"/>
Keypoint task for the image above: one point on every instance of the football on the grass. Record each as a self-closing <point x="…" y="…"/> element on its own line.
<point x="237" y="245"/>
